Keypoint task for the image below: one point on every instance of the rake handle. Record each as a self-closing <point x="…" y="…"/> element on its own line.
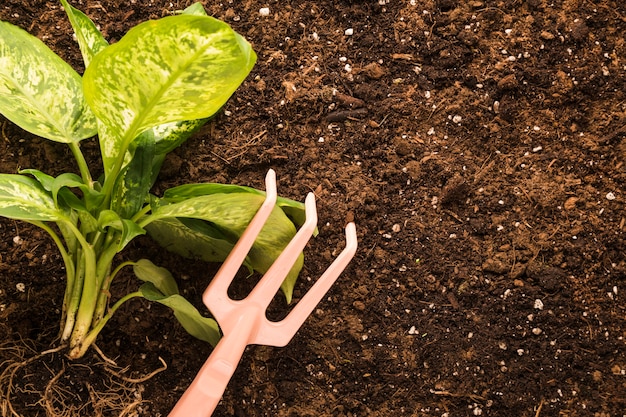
<point x="206" y="390"/>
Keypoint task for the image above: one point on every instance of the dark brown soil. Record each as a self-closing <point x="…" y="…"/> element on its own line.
<point x="480" y="147"/>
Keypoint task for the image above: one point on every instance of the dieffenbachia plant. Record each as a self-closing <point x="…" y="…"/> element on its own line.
<point x="142" y="96"/>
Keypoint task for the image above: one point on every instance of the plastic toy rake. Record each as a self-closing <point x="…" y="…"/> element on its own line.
<point x="243" y="322"/>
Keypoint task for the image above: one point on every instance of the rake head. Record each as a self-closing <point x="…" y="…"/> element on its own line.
<point x="243" y="322"/>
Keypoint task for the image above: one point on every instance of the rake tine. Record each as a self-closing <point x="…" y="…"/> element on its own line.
<point x="267" y="287"/>
<point x="218" y="287"/>
<point x="280" y="333"/>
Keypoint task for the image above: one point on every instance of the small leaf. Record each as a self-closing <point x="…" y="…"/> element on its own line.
<point x="128" y="228"/>
<point x="90" y="40"/>
<point x="160" y="277"/>
<point x="195" y="9"/>
<point x="39" y="91"/>
<point x="188" y="316"/>
<point x="174" y="69"/>
<point x="60" y="187"/>
<point x="88" y="223"/>
<point x="23" y="198"/>
<point x="66" y="180"/>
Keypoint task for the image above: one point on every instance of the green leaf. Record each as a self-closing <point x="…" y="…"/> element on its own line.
<point x="170" y="135"/>
<point x="162" y="279"/>
<point x="195" y="9"/>
<point x="60" y="186"/>
<point x="134" y="183"/>
<point x="39" y="91"/>
<point x="176" y="236"/>
<point x="188" y="316"/>
<point x="161" y="287"/>
<point x="294" y="209"/>
<point x="89" y="38"/>
<point x="174" y="69"/>
<point x="23" y="198"/>
<point x="187" y="191"/>
<point x="128" y="228"/>
<point x="88" y="223"/>
<point x="231" y="214"/>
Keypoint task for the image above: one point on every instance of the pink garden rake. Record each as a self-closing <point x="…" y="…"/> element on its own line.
<point x="243" y="322"/>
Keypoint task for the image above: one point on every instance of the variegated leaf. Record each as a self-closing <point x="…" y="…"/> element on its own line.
<point x="39" y="91"/>
<point x="136" y="179"/>
<point x="90" y="40"/>
<point x="177" y="68"/>
<point x="175" y="236"/>
<point x="23" y="198"/>
<point x="293" y="209"/>
<point x="170" y="135"/>
<point x="231" y="214"/>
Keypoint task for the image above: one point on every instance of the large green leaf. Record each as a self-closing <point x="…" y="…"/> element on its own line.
<point x="39" y="91"/>
<point x="23" y="198"/>
<point x="231" y="214"/>
<point x="177" y="68"/>
<point x="178" y="237"/>
<point x="170" y="135"/>
<point x="293" y="209"/>
<point x="89" y="38"/>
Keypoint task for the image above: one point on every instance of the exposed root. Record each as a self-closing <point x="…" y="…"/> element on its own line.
<point x="47" y="384"/>
<point x="11" y="368"/>
<point x="103" y="356"/>
<point x="143" y="378"/>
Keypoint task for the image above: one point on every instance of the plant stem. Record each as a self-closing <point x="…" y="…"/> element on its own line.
<point x="74" y="300"/>
<point x="82" y="164"/>
<point x="106" y="285"/>
<point x="141" y="213"/>
<point x="103" y="274"/>
<point x="70" y="269"/>
<point x="88" y="297"/>
<point x="111" y="177"/>
<point x="79" y="350"/>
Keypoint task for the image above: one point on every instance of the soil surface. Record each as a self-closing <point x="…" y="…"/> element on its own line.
<point x="478" y="145"/>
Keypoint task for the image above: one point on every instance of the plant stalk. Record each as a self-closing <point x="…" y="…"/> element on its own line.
<point x="82" y="164"/>
<point x="78" y="351"/>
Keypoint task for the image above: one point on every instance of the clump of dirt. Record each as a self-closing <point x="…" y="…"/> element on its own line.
<point x="480" y="148"/>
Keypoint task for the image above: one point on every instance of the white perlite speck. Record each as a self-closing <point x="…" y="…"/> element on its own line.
<point x="20" y="286"/>
<point x="265" y="11"/>
<point x="610" y="196"/>
<point x="349" y="32"/>
<point x="538" y="304"/>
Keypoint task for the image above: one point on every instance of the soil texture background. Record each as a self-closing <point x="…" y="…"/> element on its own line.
<point x="478" y="145"/>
